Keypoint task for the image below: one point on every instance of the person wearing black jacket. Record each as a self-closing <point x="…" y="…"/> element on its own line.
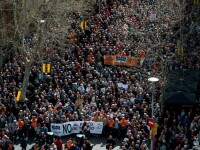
<point x="23" y="143"/>
<point x="87" y="145"/>
<point x="110" y="142"/>
<point x="42" y="139"/>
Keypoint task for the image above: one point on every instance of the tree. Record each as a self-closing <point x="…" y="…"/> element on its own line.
<point x="155" y="29"/>
<point x="6" y="30"/>
<point x="37" y="24"/>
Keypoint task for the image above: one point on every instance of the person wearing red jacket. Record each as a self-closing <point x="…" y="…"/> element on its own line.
<point x="58" y="143"/>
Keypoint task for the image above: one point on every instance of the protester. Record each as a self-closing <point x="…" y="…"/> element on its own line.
<point x="59" y="143"/>
<point x="87" y="145"/>
<point x="35" y="146"/>
<point x="81" y="87"/>
<point x="110" y="142"/>
<point x="23" y="142"/>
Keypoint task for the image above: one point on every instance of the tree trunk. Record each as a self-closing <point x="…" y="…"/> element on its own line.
<point x="29" y="64"/>
<point x="26" y="80"/>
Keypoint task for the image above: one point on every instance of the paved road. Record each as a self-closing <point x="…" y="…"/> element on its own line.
<point x="99" y="143"/>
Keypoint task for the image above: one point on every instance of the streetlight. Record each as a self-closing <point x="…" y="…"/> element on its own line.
<point x="153" y="80"/>
<point x="42" y="21"/>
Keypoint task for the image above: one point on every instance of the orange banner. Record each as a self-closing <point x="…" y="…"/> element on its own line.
<point x="121" y="60"/>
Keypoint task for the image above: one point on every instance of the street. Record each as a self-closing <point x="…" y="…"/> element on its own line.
<point x="99" y="143"/>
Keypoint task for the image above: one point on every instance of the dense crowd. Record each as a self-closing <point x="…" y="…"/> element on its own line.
<point x="81" y="88"/>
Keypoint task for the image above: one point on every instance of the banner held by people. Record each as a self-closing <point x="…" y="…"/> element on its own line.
<point x="62" y="129"/>
<point x="121" y="60"/>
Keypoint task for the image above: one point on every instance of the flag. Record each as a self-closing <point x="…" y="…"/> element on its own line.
<point x="179" y="51"/>
<point x="179" y="47"/>
<point x="18" y="96"/>
<point x="182" y="51"/>
<point x="151" y="134"/>
<point x="83" y="25"/>
<point x="196" y="2"/>
<point x="48" y="68"/>
<point x="43" y="68"/>
<point x="155" y="129"/>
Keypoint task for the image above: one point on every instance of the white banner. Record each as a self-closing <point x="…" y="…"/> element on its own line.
<point x="67" y="128"/>
<point x="97" y="128"/>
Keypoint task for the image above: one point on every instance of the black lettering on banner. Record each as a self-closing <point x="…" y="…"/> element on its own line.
<point x="55" y="127"/>
<point x="91" y="128"/>
<point x="90" y="124"/>
<point x="67" y="128"/>
<point x="99" y="126"/>
<point x="120" y="58"/>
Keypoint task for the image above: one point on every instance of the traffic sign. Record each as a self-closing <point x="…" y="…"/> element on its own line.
<point x="151" y="122"/>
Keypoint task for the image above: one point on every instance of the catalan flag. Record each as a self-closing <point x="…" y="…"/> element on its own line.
<point x="179" y="51"/>
<point x="196" y="2"/>
<point x="44" y="68"/>
<point x="48" y="68"/>
<point x="18" y="96"/>
<point x="182" y="51"/>
<point x="83" y="25"/>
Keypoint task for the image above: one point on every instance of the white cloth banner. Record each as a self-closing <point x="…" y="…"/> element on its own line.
<point x="62" y="129"/>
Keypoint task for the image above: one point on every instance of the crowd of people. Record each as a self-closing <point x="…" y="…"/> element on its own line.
<point x="81" y="88"/>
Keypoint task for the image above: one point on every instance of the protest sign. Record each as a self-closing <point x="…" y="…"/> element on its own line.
<point x="121" y="60"/>
<point x="62" y="129"/>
